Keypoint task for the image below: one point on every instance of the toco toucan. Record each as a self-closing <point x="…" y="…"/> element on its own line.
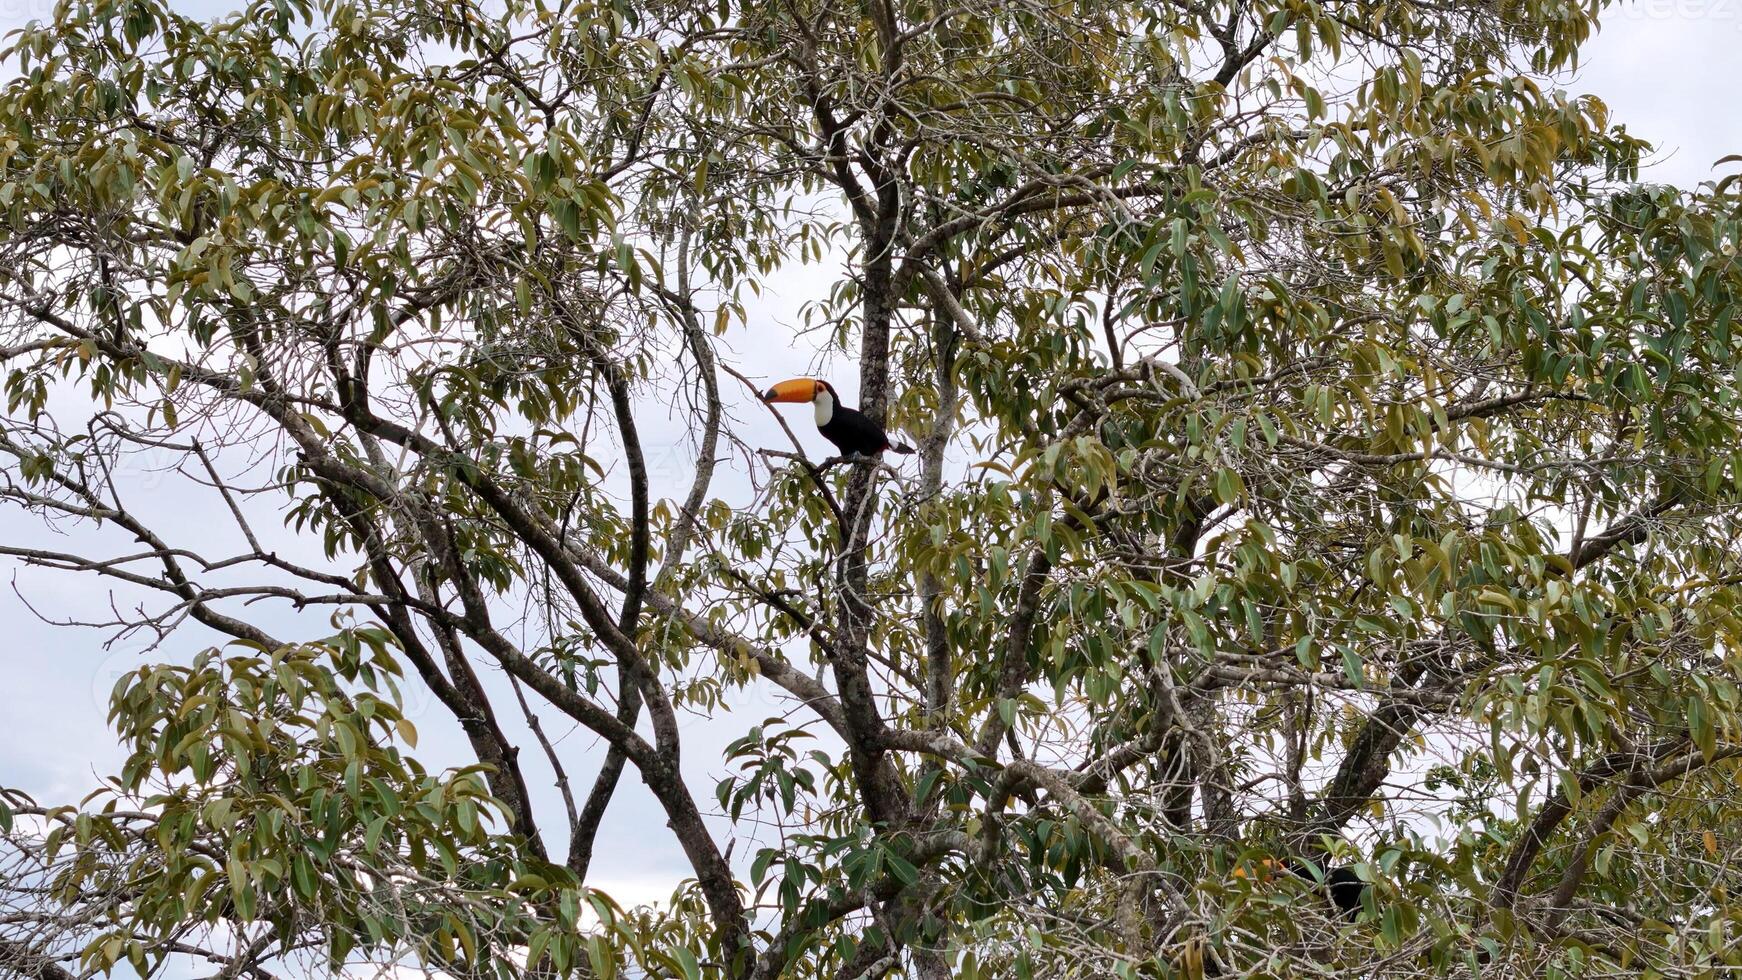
<point x="1342" y="885"/>
<point x="852" y="432"/>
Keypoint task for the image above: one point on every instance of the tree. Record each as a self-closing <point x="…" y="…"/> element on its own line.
<point x="1328" y="454"/>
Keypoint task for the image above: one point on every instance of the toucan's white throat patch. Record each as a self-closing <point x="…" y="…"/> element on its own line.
<point x="824" y="404"/>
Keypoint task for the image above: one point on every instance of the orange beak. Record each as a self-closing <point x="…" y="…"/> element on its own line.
<point x="796" y="390"/>
<point x="1263" y="871"/>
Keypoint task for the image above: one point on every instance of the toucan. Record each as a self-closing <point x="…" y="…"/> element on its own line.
<point x="852" y="432"/>
<point x="1342" y="885"/>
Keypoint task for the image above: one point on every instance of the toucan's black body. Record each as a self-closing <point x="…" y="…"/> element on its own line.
<point x="851" y="430"/>
<point x="1346" y="888"/>
<point x="1342" y="884"/>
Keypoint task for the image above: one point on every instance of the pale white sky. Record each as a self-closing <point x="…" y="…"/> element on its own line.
<point x="1669" y="70"/>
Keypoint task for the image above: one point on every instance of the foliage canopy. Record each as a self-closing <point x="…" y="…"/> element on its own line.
<point x="1328" y="451"/>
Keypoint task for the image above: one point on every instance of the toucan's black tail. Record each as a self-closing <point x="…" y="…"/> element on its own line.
<point x="902" y="448"/>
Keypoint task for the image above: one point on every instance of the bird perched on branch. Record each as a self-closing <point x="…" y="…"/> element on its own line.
<point x="851" y="430"/>
<point x="1343" y="886"/>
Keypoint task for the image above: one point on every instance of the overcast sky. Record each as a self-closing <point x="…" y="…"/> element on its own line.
<point x="1669" y="70"/>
